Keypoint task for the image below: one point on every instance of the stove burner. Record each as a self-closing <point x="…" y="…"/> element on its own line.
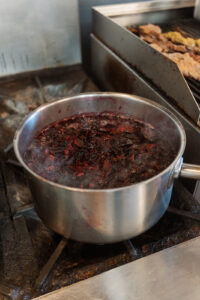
<point x="33" y="259"/>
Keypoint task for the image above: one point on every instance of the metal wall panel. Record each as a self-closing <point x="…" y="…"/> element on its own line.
<point x="38" y="34"/>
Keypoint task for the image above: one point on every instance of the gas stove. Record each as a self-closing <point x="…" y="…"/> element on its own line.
<point x="33" y="259"/>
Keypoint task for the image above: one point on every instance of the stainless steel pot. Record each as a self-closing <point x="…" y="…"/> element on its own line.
<point x="107" y="215"/>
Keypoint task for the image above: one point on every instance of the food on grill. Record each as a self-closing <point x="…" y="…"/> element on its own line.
<point x="178" y="48"/>
<point x="165" y="46"/>
<point x="104" y="150"/>
<point x="156" y="46"/>
<point x="176" y="37"/>
<point x="149" y="29"/>
<point x="159" y="40"/>
<point x="195" y="57"/>
<point x="183" y="50"/>
<point x="188" y="66"/>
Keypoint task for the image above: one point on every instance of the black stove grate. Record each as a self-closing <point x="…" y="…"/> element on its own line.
<point x="35" y="260"/>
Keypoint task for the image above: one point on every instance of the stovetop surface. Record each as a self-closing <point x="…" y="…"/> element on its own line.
<point x="33" y="259"/>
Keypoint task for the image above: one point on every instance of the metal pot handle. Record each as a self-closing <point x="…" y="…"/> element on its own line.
<point x="190" y="171"/>
<point x="184" y="170"/>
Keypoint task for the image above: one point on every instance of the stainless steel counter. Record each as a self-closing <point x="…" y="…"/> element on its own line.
<point x="173" y="273"/>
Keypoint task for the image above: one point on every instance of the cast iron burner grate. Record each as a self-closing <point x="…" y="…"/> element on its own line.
<point x="192" y="28"/>
<point x="35" y="260"/>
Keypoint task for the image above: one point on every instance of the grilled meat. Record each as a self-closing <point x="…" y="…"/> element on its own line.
<point x="183" y="50"/>
<point x="149" y="29"/>
<point x="187" y="65"/>
<point x="156" y="47"/>
<point x="132" y="29"/>
<point x="164" y="45"/>
<point x="176" y="37"/>
<point x="178" y="48"/>
<point x="195" y="57"/>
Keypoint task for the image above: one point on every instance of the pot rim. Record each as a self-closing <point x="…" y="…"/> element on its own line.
<point x="101" y="94"/>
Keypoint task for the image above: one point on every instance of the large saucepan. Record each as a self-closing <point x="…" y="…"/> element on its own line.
<point x="107" y="215"/>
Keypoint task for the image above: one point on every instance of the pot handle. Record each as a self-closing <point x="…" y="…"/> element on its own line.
<point x="190" y="171"/>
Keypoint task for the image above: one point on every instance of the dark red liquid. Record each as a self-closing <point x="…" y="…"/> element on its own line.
<point x="104" y="150"/>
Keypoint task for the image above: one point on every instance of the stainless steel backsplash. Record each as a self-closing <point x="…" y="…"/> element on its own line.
<point x="38" y="34"/>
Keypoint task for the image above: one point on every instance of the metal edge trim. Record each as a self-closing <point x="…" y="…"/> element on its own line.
<point x="141" y="7"/>
<point x="58" y="294"/>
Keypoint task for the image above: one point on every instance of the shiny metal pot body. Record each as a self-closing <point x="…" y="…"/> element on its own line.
<point x="109" y="215"/>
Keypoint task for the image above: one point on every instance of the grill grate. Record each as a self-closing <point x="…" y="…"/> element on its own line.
<point x="195" y="88"/>
<point x="189" y="26"/>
